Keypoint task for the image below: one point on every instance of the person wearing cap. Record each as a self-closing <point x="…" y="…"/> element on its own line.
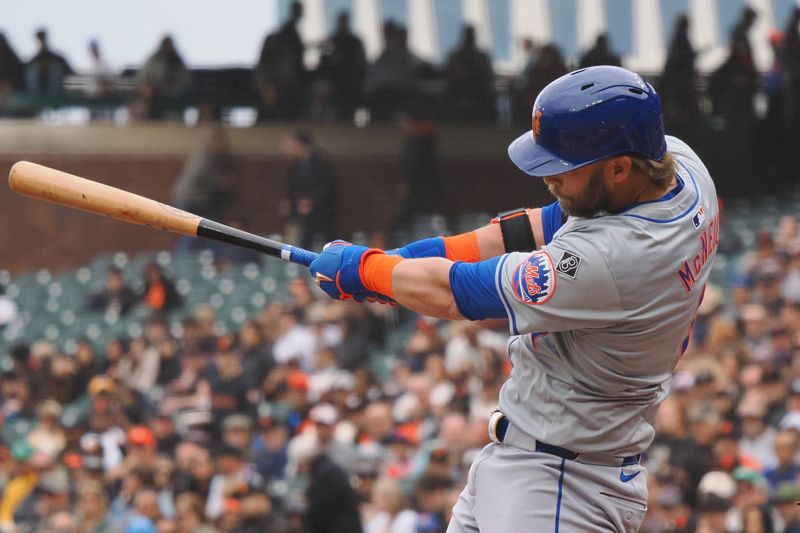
<point x="48" y="435"/>
<point x="239" y="481"/>
<point x="20" y="486"/>
<point x="237" y="431"/>
<point x="141" y="448"/>
<point x="326" y="418"/>
<point x="712" y="513"/>
<point x="752" y="488"/>
<point x="271" y="444"/>
<point x="786" y="499"/>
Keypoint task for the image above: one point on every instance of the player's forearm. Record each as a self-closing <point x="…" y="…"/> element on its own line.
<point x="423" y="285"/>
<point x="483" y="243"/>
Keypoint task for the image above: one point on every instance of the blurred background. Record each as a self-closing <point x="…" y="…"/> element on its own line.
<point x="155" y="383"/>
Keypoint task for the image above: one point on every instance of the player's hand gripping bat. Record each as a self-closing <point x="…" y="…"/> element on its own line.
<point x="79" y="193"/>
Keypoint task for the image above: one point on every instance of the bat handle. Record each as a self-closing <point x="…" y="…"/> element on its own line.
<point x="297" y="255"/>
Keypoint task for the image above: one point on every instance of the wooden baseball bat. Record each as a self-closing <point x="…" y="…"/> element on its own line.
<point x="55" y="186"/>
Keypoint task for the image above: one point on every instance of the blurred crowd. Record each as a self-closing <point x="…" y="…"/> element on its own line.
<point x="292" y="423"/>
<point x="323" y="416"/>
<point x="281" y="84"/>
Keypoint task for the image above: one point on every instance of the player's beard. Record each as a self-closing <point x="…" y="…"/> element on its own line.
<point x="593" y="201"/>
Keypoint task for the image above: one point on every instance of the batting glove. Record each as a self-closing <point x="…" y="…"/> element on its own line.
<point x="337" y="271"/>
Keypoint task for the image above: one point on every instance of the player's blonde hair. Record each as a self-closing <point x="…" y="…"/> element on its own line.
<point x="661" y="172"/>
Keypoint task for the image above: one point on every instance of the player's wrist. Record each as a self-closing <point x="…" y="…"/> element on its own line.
<point x="375" y="271"/>
<point x="430" y="247"/>
<point x="463" y="247"/>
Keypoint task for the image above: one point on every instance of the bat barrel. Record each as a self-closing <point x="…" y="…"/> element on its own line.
<point x="79" y="193"/>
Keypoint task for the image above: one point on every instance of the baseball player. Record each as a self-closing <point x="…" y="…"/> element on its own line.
<point x="600" y="289"/>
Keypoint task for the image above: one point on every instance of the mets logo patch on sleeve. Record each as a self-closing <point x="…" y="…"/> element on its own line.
<point x="534" y="280"/>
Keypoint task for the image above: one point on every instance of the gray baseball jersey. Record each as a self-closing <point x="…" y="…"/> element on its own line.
<point x="602" y="313"/>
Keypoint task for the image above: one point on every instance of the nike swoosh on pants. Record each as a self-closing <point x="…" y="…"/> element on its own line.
<point x="627" y="477"/>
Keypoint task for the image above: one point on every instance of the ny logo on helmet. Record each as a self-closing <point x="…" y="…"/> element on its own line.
<point x="536" y="124"/>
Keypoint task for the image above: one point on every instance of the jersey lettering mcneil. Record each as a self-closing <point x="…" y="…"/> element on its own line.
<point x="690" y="268"/>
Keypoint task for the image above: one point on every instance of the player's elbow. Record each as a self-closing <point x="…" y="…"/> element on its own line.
<point x="449" y="311"/>
<point x="453" y="312"/>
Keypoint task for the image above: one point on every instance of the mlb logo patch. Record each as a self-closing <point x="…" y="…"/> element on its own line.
<point x="568" y="264"/>
<point x="698" y="218"/>
<point x="534" y="280"/>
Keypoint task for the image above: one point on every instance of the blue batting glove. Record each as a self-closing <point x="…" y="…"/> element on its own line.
<point x="336" y="271"/>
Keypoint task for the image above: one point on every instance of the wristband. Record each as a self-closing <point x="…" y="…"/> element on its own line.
<point x="376" y="271"/>
<point x="463" y="247"/>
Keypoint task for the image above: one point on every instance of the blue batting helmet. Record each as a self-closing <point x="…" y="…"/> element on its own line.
<point x="588" y="115"/>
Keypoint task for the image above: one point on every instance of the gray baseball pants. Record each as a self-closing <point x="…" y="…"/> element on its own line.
<point x="512" y="490"/>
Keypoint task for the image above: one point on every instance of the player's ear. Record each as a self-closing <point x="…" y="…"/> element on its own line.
<point x="617" y="169"/>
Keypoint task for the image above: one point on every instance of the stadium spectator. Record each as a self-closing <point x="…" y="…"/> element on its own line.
<point x="271" y="446"/>
<point x="392" y="78"/>
<point x="139" y="368"/>
<point x="236" y="480"/>
<point x="10" y="320"/>
<point x="228" y="384"/>
<point x="312" y="192"/>
<point x="92" y="507"/>
<point x="470" y="81"/>
<point x="343" y="66"/>
<point x="791" y="63"/>
<point x="295" y="344"/>
<point x="774" y="82"/>
<point x="548" y="65"/>
<point x="48" y="437"/>
<point x="787" y="469"/>
<point x="332" y="501"/>
<point x="393" y="512"/>
<point x="678" y="81"/>
<point x="419" y="192"/>
<point x="204" y="183"/>
<point x="257" y="357"/>
<point x="45" y="72"/>
<point x="786" y="498"/>
<point x="11" y="71"/>
<point x="599" y="54"/>
<point x="116" y="298"/>
<point x="280" y="74"/>
<point x="163" y="83"/>
<point x="733" y="85"/>
<point x="100" y="74"/>
<point x="159" y="293"/>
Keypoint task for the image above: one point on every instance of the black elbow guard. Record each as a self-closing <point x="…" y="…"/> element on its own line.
<point x="517" y="232"/>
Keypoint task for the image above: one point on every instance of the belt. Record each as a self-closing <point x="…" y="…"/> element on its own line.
<point x="502" y="431"/>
